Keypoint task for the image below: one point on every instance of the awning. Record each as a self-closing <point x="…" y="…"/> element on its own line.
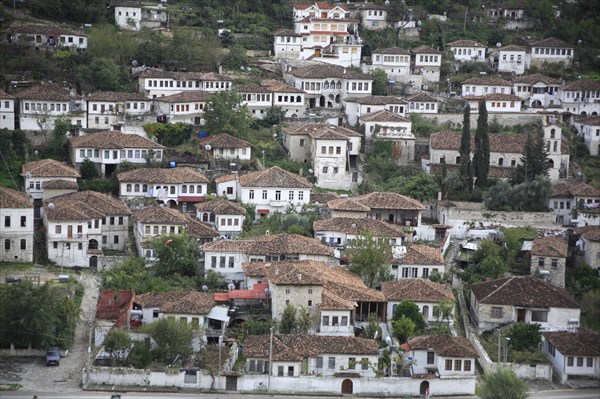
<point x="263" y="211"/>
<point x="188" y="198"/>
<point x="219" y="313"/>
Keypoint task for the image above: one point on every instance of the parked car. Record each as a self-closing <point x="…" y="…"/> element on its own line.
<point x="12" y="279"/>
<point x="53" y="356"/>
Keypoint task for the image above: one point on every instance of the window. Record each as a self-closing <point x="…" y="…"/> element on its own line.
<point x="116" y="239"/>
<point x="23" y="221"/>
<point x="250" y="194"/>
<point x="325" y="320"/>
<point x="121" y="220"/>
<point x="291" y="195"/>
<point x="590" y="362"/>
<point x="496" y="312"/>
<point x="351" y="363"/>
<point x="457" y="365"/>
<point x="541" y="262"/>
<point x="539" y="315"/>
<point x="554" y="263"/>
<point x="6" y="221"/>
<point x="287" y="290"/>
<point x="331" y="363"/>
<point x="221" y="261"/>
<point x="301" y="142"/>
<point x="7" y="244"/>
<point x="277" y="195"/>
<point x="467" y="365"/>
<point x="430" y="357"/>
<point x="213" y="262"/>
<point x="58" y="229"/>
<point x="264" y="194"/>
<point x="448" y="364"/>
<point x="335" y="321"/>
<point x="319" y="364"/>
<point x="300" y="195"/>
<point x="344" y="321"/>
<point x="551" y="349"/>
<point x="570" y="361"/>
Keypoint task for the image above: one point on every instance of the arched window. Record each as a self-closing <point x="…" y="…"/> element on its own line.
<point x="212" y="217"/>
<point x="205" y="217"/>
<point x="326" y="85"/>
<point x="500" y="161"/>
<point x="191" y="189"/>
<point x="552" y="133"/>
<point x="339" y="85"/>
<point x="199" y="189"/>
<point x="136" y="188"/>
<point x="426" y="311"/>
<point x="298" y="99"/>
<point x="458" y="160"/>
<point x="184" y="189"/>
<point x="129" y="188"/>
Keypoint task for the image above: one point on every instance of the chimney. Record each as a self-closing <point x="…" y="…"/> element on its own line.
<point x="344" y="71"/>
<point x="220" y="69"/>
<point x="299" y="275"/>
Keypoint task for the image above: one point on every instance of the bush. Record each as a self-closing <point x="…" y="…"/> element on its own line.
<point x="139" y="356"/>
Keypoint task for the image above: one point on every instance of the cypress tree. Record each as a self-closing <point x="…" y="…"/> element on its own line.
<point x="481" y="158"/>
<point x="534" y="162"/>
<point x="465" y="148"/>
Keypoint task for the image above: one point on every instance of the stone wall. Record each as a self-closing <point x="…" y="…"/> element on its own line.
<point x="504" y="119"/>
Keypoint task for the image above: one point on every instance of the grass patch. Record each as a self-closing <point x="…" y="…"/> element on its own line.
<point x="8" y="268"/>
<point x="489" y="341"/>
<point x="10" y="387"/>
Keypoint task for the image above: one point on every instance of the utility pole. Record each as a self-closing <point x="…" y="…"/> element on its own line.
<point x="270" y="359"/>
<point x="499" y="346"/>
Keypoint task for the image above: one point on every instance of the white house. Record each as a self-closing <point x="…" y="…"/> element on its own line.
<point x="386" y="125"/>
<point x="287" y="97"/>
<point x="38" y="174"/>
<point x="574" y="354"/>
<point x="421" y="103"/>
<point x="325" y="85"/>
<point x="287" y="44"/>
<point x="179" y="187"/>
<point x="558" y="150"/>
<point x="155" y="83"/>
<point x="343" y="232"/>
<point x="227" y="186"/>
<point x="419" y="261"/>
<point x="355" y="107"/>
<point x="133" y="15"/>
<point x="426" y="63"/>
<point x="589" y="243"/>
<point x="482" y="86"/>
<point x="51" y="37"/>
<point x="273" y="190"/>
<point x="495" y="103"/>
<point x="185" y="107"/>
<point x="294" y="355"/>
<point x="522" y="299"/>
<point x="512" y="59"/>
<point x="567" y="198"/>
<point x="226" y="146"/>
<point x="107" y="108"/>
<point x="581" y="97"/>
<point x="41" y="105"/>
<point x="394" y="61"/>
<point x="426" y="294"/>
<point x="81" y="226"/>
<point x="109" y="148"/>
<point x="589" y="128"/>
<point x="552" y="51"/>
<point x="443" y="356"/>
<point x="537" y="90"/>
<point x="372" y="16"/>
<point x="257" y="98"/>
<point x="7" y="111"/>
<point x="334" y="151"/>
<point x="226" y="216"/>
<point x="467" y="51"/>
<point x="16" y="234"/>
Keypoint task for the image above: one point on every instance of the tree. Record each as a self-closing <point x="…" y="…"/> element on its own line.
<point x="176" y="253"/>
<point x="172" y="339"/>
<point x="101" y="74"/>
<point x="380" y="82"/>
<point x="465" y="148"/>
<point x="287" y="325"/>
<point x="372" y="329"/>
<point x="224" y="113"/>
<point x="503" y="384"/>
<point x="534" y="162"/>
<point x="481" y="157"/>
<point x="170" y="135"/>
<point x="88" y="170"/>
<point x="411" y="310"/>
<point x="369" y="258"/>
<point x="273" y="116"/>
<point x="487" y="262"/>
<point x="236" y="58"/>
<point x="422" y="187"/>
<point x="117" y="343"/>
<point x="404" y="328"/>
<point x="58" y="143"/>
<point x="524" y="336"/>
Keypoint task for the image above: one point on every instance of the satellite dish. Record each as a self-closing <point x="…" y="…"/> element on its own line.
<point x="204" y="288"/>
<point x="267" y="232"/>
<point x="387" y="2"/>
<point x="425" y="87"/>
<point x="28" y="175"/>
<point x="134" y="63"/>
<point x="231" y="286"/>
<point x="208" y="147"/>
<point x="310" y="171"/>
<point x="51" y="205"/>
<point x="353" y="225"/>
<point x="498" y="44"/>
<point x="267" y="291"/>
<point x="388" y="340"/>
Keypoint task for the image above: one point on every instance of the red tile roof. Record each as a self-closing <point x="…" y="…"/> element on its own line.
<point x="273" y="177"/>
<point x="14" y="199"/>
<point x="583" y="342"/>
<point x="112" y="140"/>
<point x="416" y="290"/>
<point x="417" y="254"/>
<point x="444" y="345"/>
<point x="551" y="246"/>
<point x="48" y="168"/>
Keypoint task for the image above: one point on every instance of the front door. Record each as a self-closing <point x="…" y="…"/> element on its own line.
<point x="347" y="387"/>
<point x="521" y="315"/>
<point x="231" y="383"/>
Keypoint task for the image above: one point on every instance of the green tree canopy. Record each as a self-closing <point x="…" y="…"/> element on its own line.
<point x="503" y="384"/>
<point x="465" y="148"/>
<point x="177" y="254"/>
<point x="524" y="336"/>
<point x="224" y="113"/>
<point x="410" y="310"/>
<point x="170" y="135"/>
<point x="380" y="82"/>
<point x="369" y="258"/>
<point x="535" y="162"/>
<point x="117" y="343"/>
<point x="172" y="339"/>
<point x="481" y="157"/>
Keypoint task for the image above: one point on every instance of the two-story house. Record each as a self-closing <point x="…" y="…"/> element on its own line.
<point x="289" y="98"/>
<point x="155" y="83"/>
<point x="228" y="256"/>
<point x="185" y="107"/>
<point x="294" y="355"/>
<point x="16" y="218"/>
<point x="7" y="111"/>
<point x="287" y="44"/>
<point x="81" y="226"/>
<point x="522" y="300"/>
<point x="574" y="354"/>
<point x="441" y="356"/>
<point x="421" y="103"/>
<point x="568" y="198"/>
<point x="109" y="148"/>
<point x="426" y="63"/>
<point x="226" y="216"/>
<point x="133" y="15"/>
<point x="552" y="51"/>
<point x="107" y="108"/>
<point x="226" y="146"/>
<point x="152" y="222"/>
<point x="419" y="261"/>
<point x="589" y="129"/>
<point x="483" y="86"/>
<point x="511" y="59"/>
<point x="372" y="16"/>
<point x="49" y="37"/>
<point x="334" y="150"/>
<point x="581" y="97"/>
<point x="39" y="175"/>
<point x="257" y="98"/>
<point x="467" y="50"/>
<point x="179" y="187"/>
<point x="356" y="107"/>
<point x="589" y="244"/>
<point x="342" y="232"/>
<point x="495" y="103"/>
<point x="549" y="259"/>
<point x="537" y="90"/>
<point x="426" y="294"/>
<point x="386" y="125"/>
<point x="394" y="61"/>
<point x="387" y="206"/>
<point x="325" y="85"/>
<point x="41" y="105"/>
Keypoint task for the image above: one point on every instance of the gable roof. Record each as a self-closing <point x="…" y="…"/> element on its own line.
<point x="443" y="345"/>
<point x="383" y="116"/>
<point x="591" y="121"/>
<point x="425" y="50"/>
<point x="523" y="291"/>
<point x="583" y="342"/>
<point x="375" y="100"/>
<point x="112" y="140"/>
<point x="536" y="78"/>
<point x="347" y="204"/>
<point x="44" y="92"/>
<point x="84" y="205"/>
<point x="220" y="207"/>
<point x="160" y="214"/>
<point x="591" y="233"/>
<point x="464" y="43"/>
<point x="14" y="199"/>
<point x="582" y="85"/>
<point x="273" y="177"/>
<point x="48" y="30"/>
<point x="296" y="347"/>
<point x="552" y="246"/>
<point x="391" y="50"/>
<point x="116" y="96"/>
<point x="283" y="243"/>
<point x="486" y="81"/>
<point x="358" y="226"/>
<point x="416" y="290"/>
<point x="421" y="97"/>
<point x="190" y="302"/>
<point x="552" y="42"/>
<point x="186" y="97"/>
<point x="48" y="168"/>
<point x="58" y="184"/>
<point x="417" y="254"/>
<point x="224" y="140"/>
<point x="322" y="131"/>
<point x="178" y="175"/>
<point x="513" y="47"/>
<point x="323" y="71"/>
<point x="387" y="200"/>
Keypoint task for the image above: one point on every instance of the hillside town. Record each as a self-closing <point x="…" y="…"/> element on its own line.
<point x="368" y="198"/>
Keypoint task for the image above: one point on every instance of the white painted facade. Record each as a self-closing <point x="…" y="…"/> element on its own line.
<point x="40" y="115"/>
<point x="164" y="192"/>
<point x="373" y="19"/>
<point x="104" y="114"/>
<point x="145" y="232"/>
<point x="274" y="199"/>
<point x="16" y="234"/>
<point x="468" y="53"/>
<point x="590" y="131"/>
<point x="446" y="366"/>
<point x="541" y="54"/>
<point x="130" y="17"/>
<point x="355" y="109"/>
<point x="287" y="44"/>
<point x="7" y="111"/>
<point x="400" y="270"/>
<point x="227" y="188"/>
<point x="566" y="366"/>
<point x="512" y="61"/>
<point x="155" y="83"/>
<point x="330" y="158"/>
<point x="426" y="63"/>
<point x="394" y="62"/>
<point x="429" y="310"/>
<point x="228" y="226"/>
<point x="34" y="185"/>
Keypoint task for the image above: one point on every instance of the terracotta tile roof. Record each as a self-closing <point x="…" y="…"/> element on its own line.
<point x="251" y="88"/>
<point x="112" y="140"/>
<point x="417" y="254"/>
<point x="425" y="50"/>
<point x="279" y="87"/>
<point x="512" y="47"/>
<point x="570" y="190"/>
<point x="191" y="302"/>
<point x="328" y="71"/>
<point x="224" y="140"/>
<point x="347" y="204"/>
<point x="5" y="96"/>
<point x="523" y="291"/>
<point x="274" y="177"/>
<point x="465" y="43"/>
<point x="391" y="50"/>
<point x="296" y="347"/>
<point x="186" y="97"/>
<point x="582" y="85"/>
<point x="591" y="121"/>
<point x="48" y="168"/>
<point x="552" y="42"/>
<point x="583" y="342"/>
<point x="84" y="205"/>
<point x="322" y="131"/>
<point x="115" y="96"/>
<point x="536" y="78"/>
<point x="375" y="100"/>
<point x="179" y="175"/>
<point x="338" y="281"/>
<point x="48" y="30"/>
<point x="486" y="81"/>
<point x="383" y="116"/>
<point x="273" y="244"/>
<point x="385" y="200"/>
<point x="443" y="345"/>
<point x="14" y="199"/>
<point x="331" y="301"/>
<point x="358" y="226"/>
<point x="220" y="207"/>
<point x="226" y="178"/>
<point x="45" y="92"/>
<point x="499" y="142"/>
<point x="160" y="214"/>
<point x="416" y="290"/>
<point x="494" y="97"/>
<point x="58" y="184"/>
<point x="551" y="246"/>
<point x="591" y="233"/>
<point x="322" y="198"/>
<point x="421" y="97"/>
<point x="200" y="229"/>
<point x="286" y="32"/>
<point x="157" y="73"/>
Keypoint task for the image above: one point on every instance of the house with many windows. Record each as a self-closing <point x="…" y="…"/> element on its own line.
<point x="108" y="108"/>
<point x="372" y="16"/>
<point x="226" y="146"/>
<point x="48" y="37"/>
<point x="48" y="178"/>
<point x="483" y="86"/>
<point x="467" y="51"/>
<point x="589" y="129"/>
<point x="226" y="216"/>
<point x="185" y="107"/>
<point x="421" y="103"/>
<point x="134" y="15"/>
<point x="81" y="226"/>
<point x="41" y="105"/>
<point x="154" y="83"/>
<point x="426" y="294"/>
<point x="17" y="226"/>
<point x="287" y="44"/>
<point x="425" y="62"/>
<point x="568" y="198"/>
<point x="342" y="232"/>
<point x="537" y="90"/>
<point x="581" y="97"/>
<point x="574" y="354"/>
<point x="552" y="51"/>
<point x="442" y="356"/>
<point x="356" y="107"/>
<point x="418" y="261"/>
<point x="511" y="59"/>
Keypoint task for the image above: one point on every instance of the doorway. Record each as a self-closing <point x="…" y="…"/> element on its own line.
<point x="347" y="386"/>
